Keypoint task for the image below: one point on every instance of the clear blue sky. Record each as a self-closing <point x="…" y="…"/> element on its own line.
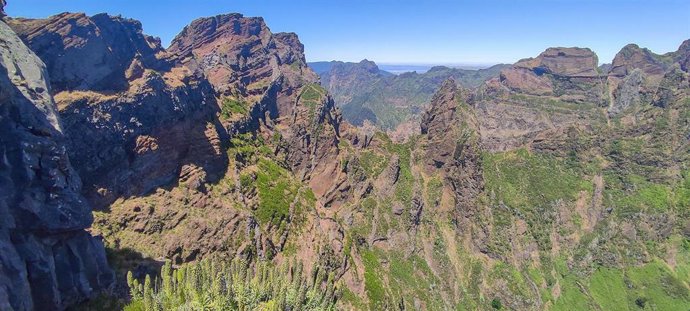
<point x="406" y="31"/>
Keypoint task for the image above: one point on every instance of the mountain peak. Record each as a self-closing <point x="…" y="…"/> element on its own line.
<point x="633" y="56"/>
<point x="239" y="55"/>
<point x="441" y="112"/>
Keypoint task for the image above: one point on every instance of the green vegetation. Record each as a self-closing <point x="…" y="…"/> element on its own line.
<point x="311" y="97"/>
<point x="276" y="190"/>
<point x="434" y="191"/>
<point x="404" y="186"/>
<point x="281" y="195"/>
<point x="632" y="194"/>
<point x="496" y="304"/>
<point x="530" y="186"/>
<point x="247" y="148"/>
<point x="231" y="106"/>
<point x="372" y="280"/>
<point x="652" y="286"/>
<point x="402" y="279"/>
<point x="531" y="181"/>
<point x="372" y="163"/>
<point x="233" y="285"/>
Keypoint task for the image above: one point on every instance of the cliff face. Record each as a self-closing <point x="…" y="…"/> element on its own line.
<point x="540" y="97"/>
<point x="244" y="61"/>
<point x="134" y="120"/>
<point x="48" y="261"/>
<point x="152" y="147"/>
<point x="636" y="74"/>
<point x="240" y="55"/>
<point x="98" y="53"/>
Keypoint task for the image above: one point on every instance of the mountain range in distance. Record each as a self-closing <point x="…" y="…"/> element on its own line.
<point x="393" y="99"/>
<point x="400" y="68"/>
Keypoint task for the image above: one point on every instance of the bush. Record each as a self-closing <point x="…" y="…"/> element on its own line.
<point x="496" y="304"/>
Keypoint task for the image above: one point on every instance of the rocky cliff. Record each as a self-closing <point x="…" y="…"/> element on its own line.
<point x="247" y="63"/>
<point x="135" y="122"/>
<point x="636" y="74"/>
<point x="48" y="261"/>
<point x="163" y="148"/>
<point x="567" y="73"/>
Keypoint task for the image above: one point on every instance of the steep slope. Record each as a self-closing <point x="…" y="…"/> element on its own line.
<point x="47" y="260"/>
<point x="247" y="64"/>
<point x="529" y="193"/>
<point x="453" y="145"/>
<point x="635" y="76"/>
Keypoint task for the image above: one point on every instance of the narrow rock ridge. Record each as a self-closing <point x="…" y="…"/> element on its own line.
<point x="453" y="145"/>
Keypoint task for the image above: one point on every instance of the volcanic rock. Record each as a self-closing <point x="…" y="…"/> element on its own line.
<point x="47" y="260"/>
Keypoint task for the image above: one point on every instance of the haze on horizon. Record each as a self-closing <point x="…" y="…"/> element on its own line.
<point x="410" y="32"/>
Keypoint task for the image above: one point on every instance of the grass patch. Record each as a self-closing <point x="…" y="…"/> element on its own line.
<point x="231" y="106"/>
<point x="372" y="163"/>
<point x="277" y="190"/>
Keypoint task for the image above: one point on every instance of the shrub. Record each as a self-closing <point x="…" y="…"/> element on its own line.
<point x="233" y="285"/>
<point x="496" y="304"/>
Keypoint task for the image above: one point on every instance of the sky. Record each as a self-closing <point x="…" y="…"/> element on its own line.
<point x="417" y="32"/>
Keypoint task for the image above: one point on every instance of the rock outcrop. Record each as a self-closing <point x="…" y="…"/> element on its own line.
<point x="633" y="57"/>
<point x="240" y="55"/>
<point x="636" y="75"/>
<point x="541" y="97"/>
<point x="97" y="53"/>
<point x="570" y="74"/>
<point x="47" y="260"/>
<point x="453" y="144"/>
<point x="135" y="122"/>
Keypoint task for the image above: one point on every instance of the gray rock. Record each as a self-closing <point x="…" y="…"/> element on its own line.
<point x="47" y="260"/>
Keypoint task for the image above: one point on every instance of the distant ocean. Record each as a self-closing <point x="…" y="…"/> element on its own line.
<point x="422" y="68"/>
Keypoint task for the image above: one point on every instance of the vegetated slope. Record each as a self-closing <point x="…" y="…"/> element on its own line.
<point x="587" y="211"/>
<point x="364" y="92"/>
<point x="553" y="186"/>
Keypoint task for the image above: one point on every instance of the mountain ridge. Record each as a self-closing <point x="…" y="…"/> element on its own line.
<point x="539" y="187"/>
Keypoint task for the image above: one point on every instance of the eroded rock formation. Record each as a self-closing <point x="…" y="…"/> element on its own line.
<point x="135" y="122"/>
